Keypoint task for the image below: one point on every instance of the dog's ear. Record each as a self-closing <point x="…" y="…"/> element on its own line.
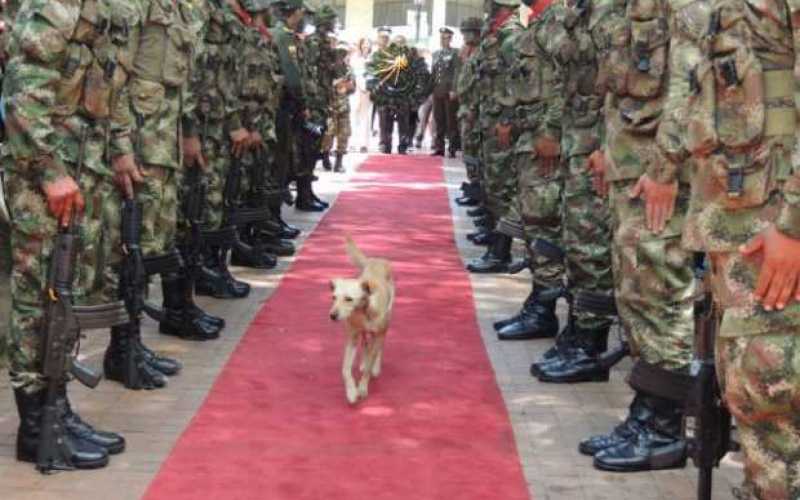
<point x="365" y="285"/>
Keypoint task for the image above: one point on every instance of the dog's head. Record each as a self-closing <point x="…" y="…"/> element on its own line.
<point x="349" y="295"/>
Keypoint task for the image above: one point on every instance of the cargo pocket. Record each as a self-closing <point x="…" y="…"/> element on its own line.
<point x="146" y="97"/>
<point x="648" y="52"/>
<point x="740" y="99"/>
<point x="613" y="40"/>
<point x="73" y="73"/>
<point x="97" y="89"/>
<point x="743" y="180"/>
<point x="177" y="56"/>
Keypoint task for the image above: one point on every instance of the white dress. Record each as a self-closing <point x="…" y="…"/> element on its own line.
<point x="360" y="104"/>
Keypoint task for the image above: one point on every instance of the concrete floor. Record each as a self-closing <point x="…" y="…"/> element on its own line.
<point x="548" y="420"/>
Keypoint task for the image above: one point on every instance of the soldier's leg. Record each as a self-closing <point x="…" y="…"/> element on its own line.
<point x="587" y="246"/>
<point x="327" y="141"/>
<point x="758" y="365"/>
<point x="5" y="288"/>
<point x="32" y="237"/>
<point x="539" y="195"/>
<point x="342" y="137"/>
<point x="655" y="292"/>
<point x="385" y="116"/>
<point x="440" y="119"/>
<point x="404" y="129"/>
<point x="453" y="136"/>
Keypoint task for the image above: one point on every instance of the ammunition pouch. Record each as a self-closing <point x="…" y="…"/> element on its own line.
<point x="596" y="303"/>
<point x="549" y="251"/>
<point x="655" y="381"/>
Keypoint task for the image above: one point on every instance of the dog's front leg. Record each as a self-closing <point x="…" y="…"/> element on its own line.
<point x="378" y="358"/>
<point x="350" y="349"/>
<point x="370" y="353"/>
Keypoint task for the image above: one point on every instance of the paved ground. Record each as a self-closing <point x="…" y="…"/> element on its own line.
<point x="548" y="420"/>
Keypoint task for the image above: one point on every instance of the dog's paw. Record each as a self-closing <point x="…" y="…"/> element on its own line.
<point x="376" y="370"/>
<point x="363" y="388"/>
<point x="352" y="394"/>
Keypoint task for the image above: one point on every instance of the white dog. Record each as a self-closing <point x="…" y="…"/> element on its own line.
<point x="365" y="305"/>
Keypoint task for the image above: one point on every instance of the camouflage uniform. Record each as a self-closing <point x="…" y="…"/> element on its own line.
<point x="48" y="111"/>
<point x="444" y="68"/>
<point x="318" y="69"/>
<point x="467" y="89"/>
<point x="339" y="121"/>
<point x="742" y="109"/>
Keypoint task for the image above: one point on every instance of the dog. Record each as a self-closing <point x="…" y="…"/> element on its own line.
<point x="364" y="304"/>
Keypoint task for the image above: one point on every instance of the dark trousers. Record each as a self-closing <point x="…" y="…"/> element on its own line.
<point x="388" y="115"/>
<point x="444" y="114"/>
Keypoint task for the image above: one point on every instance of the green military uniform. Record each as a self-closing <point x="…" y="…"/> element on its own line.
<point x="467" y="90"/>
<point x="66" y="106"/>
<point x="339" y="121"/>
<point x="742" y="112"/>
<point x="499" y="178"/>
<point x="654" y="282"/>
<point x="5" y="248"/>
<point x="444" y="68"/>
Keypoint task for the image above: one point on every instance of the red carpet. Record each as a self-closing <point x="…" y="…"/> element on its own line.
<point x="276" y="424"/>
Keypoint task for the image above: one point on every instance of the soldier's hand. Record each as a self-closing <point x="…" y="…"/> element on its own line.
<point x="193" y="153"/>
<point x="453" y="96"/>
<point x="780" y="267"/>
<point x="255" y="140"/>
<point x="659" y="201"/>
<point x="597" y="167"/>
<point x="239" y="141"/>
<point x="126" y="174"/>
<point x="63" y="198"/>
<point x="503" y="134"/>
<point x="548" y="151"/>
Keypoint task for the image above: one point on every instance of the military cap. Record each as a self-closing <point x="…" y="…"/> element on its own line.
<point x="385" y="29"/>
<point x="507" y="3"/>
<point x="325" y="14"/>
<point x="471" y="24"/>
<point x="445" y="30"/>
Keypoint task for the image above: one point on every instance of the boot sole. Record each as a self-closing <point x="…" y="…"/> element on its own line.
<point x="574" y="379"/>
<point x="171" y="331"/>
<point x="639" y="468"/>
<point x="95" y="464"/>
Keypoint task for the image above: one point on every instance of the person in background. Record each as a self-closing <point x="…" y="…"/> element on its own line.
<point x="344" y="86"/>
<point x="360" y="104"/>
<point x="444" y="68"/>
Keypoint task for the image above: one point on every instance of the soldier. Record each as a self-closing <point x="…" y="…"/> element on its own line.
<point x="743" y="212"/>
<point x="586" y="236"/>
<point x="339" y="123"/>
<point x="654" y="280"/>
<point x="320" y="67"/>
<point x="444" y="69"/>
<point x="496" y="153"/>
<point x="167" y="139"/>
<point x="467" y="115"/>
<point x="67" y="114"/>
<point x="5" y="249"/>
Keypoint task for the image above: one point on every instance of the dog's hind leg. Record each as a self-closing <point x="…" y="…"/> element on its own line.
<point x="350" y="349"/>
<point x="378" y="358"/>
<point x="370" y="353"/>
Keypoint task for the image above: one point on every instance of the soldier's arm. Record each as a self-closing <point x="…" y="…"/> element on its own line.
<point x="554" y="37"/>
<point x="38" y="48"/>
<point x="788" y="221"/>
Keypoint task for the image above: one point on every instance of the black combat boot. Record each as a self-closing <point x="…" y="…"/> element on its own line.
<point x="481" y="237"/>
<point x="126" y="361"/>
<point x="74" y="424"/>
<point x="181" y="319"/>
<point x="657" y="445"/>
<point x="581" y="361"/>
<point x="536" y="321"/>
<point x="638" y="414"/>
<point x="503" y="322"/>
<point x="216" y="280"/>
<point x="305" y="197"/>
<point x="338" y="167"/>
<point x="477" y="212"/>
<point x="483" y="222"/>
<point x="326" y="161"/>
<point x="496" y="258"/>
<point x="286" y="231"/>
<point x="269" y="239"/>
<point x="69" y="451"/>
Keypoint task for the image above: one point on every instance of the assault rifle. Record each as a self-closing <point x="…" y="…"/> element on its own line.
<point x="708" y="422"/>
<point x="60" y="329"/>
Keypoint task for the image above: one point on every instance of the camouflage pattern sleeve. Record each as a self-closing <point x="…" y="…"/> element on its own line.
<point x="200" y="16"/>
<point x="788" y="221"/>
<point x="687" y="26"/>
<point x="554" y="37"/>
<point x="122" y="121"/>
<point x="38" y="48"/>
<point x="508" y="56"/>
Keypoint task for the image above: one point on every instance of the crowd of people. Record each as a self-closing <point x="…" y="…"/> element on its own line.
<point x="641" y="151"/>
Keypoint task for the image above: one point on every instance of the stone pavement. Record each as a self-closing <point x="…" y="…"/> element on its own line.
<point x="548" y="420"/>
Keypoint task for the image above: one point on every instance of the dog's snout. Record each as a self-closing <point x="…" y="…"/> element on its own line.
<point x="334" y="316"/>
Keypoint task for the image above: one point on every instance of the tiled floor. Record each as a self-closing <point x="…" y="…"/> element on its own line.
<point x="548" y="420"/>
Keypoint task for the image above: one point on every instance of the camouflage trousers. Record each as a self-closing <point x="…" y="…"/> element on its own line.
<point x="218" y="159"/>
<point x="471" y="145"/>
<point x="587" y="241"/>
<point x="499" y="175"/>
<point x="33" y="233"/>
<point x="339" y="130"/>
<point x="760" y="379"/>
<point x="5" y="298"/>
<point x="654" y="280"/>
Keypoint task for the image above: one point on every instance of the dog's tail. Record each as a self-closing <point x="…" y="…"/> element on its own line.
<point x="357" y="257"/>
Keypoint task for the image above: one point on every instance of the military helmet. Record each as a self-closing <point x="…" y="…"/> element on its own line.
<point x="325" y="14"/>
<point x="256" y="5"/>
<point x="507" y="3"/>
<point x="471" y="24"/>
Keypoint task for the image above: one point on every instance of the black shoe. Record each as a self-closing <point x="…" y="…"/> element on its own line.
<point x="166" y="365"/>
<point x="311" y="206"/>
<point x="496" y="258"/>
<point x="125" y="361"/>
<point x="277" y="246"/>
<point x="438" y="152"/>
<point x="467" y="201"/>
<point x="582" y="363"/>
<point x="216" y="280"/>
<point x="452" y="153"/>
<point x="658" y="445"/>
<point x="538" y="319"/>
<point x="637" y="413"/>
<point x="481" y="238"/>
<point x="288" y="232"/>
<point x="477" y="212"/>
<point x="483" y="222"/>
<point x="387" y="150"/>
<point x="253" y="260"/>
<point x="320" y="200"/>
<point x="179" y="317"/>
<point x="418" y="144"/>
<point x="503" y="322"/>
<point x="68" y="451"/>
<point x="194" y="311"/>
<point x="112" y="442"/>
<point x="339" y="167"/>
<point x="402" y="151"/>
<point x="326" y="161"/>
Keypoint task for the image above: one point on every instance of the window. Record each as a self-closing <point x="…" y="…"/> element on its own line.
<point x="458" y="10"/>
<point x="340" y="6"/>
<point x="396" y="12"/>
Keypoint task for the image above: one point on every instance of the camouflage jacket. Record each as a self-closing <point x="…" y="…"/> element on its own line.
<point x="741" y="108"/>
<point x="319" y="70"/>
<point x="492" y="76"/>
<point x="444" y="67"/>
<point x="467" y="87"/>
<point x="533" y="99"/>
<point x="341" y="97"/>
<point x="68" y="68"/>
<point x="260" y="82"/>
<point x="214" y="80"/>
<point x="583" y="128"/>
